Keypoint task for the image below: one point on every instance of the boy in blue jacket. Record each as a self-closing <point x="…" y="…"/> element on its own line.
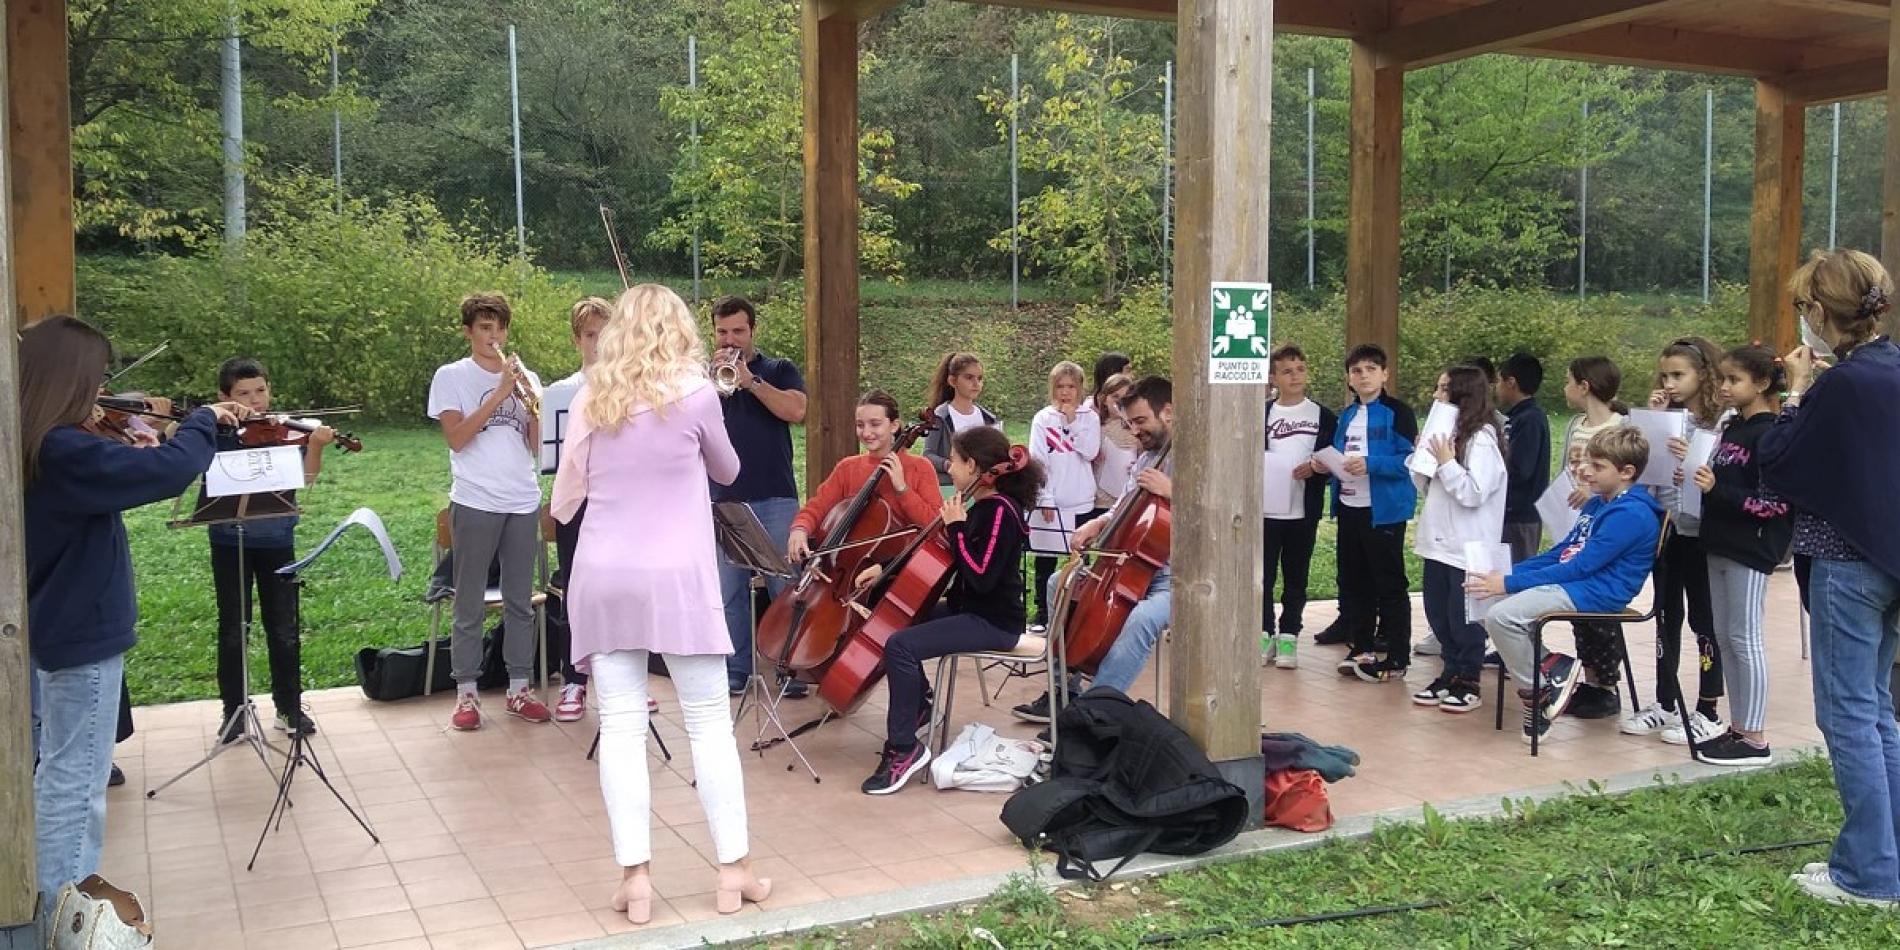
<point x="1372" y="505"/>
<point x="1597" y="568"/>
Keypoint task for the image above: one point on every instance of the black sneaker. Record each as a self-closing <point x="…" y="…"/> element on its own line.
<point x="1387" y="670"/>
<point x="1595" y="702"/>
<point x="895" y="767"/>
<point x="1037" y="711"/>
<point x="1492" y="661"/>
<point x="232" y="728"/>
<point x="1543" y="733"/>
<point x="295" y="723"/>
<point x="1433" y="694"/>
<point x="1731" y="749"/>
<point x="1461" y="696"/>
<point x="117" y="778"/>
<point x="1562" y="675"/>
<point x="1332" y="636"/>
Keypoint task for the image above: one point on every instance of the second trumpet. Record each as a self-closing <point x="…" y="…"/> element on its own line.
<point x="524" y="390"/>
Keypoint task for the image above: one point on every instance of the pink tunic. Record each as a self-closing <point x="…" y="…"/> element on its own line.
<point x="645" y="574"/>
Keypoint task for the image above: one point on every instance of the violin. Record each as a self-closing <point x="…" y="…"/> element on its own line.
<point x="268" y="430"/>
<point x="811" y="619"/>
<point x="112" y="416"/>
<point x="1108" y="578"/>
<point x="905" y="594"/>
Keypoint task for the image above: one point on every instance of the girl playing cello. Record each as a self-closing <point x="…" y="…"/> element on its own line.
<point x="903" y="472"/>
<point x="984" y="607"/>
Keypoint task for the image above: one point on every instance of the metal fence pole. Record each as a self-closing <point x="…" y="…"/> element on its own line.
<point x="1167" y="180"/>
<point x="336" y="128"/>
<point x="692" y="83"/>
<point x="514" y="97"/>
<point x="1310" y="212"/>
<point x="1015" y="210"/>
<point x="1708" y="183"/>
<point x="1583" y="206"/>
<point x="232" y="88"/>
<point x="1834" y="183"/>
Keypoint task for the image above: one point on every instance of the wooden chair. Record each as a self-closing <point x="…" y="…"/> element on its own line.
<point x="491" y="598"/>
<point x="1618" y="617"/>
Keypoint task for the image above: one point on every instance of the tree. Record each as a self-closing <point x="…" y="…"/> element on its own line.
<point x="740" y="187"/>
<point x="1095" y="128"/>
<point x="146" y="134"/>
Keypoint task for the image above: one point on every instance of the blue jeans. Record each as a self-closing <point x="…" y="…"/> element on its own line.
<point x="1855" y="619"/>
<point x="1139" y="634"/>
<point x="1461" y="640"/>
<point x="76" y="717"/>
<point x="776" y="515"/>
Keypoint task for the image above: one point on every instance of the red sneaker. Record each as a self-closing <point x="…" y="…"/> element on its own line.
<point x="573" y="704"/>
<point x="525" y="705"/>
<point x="468" y="713"/>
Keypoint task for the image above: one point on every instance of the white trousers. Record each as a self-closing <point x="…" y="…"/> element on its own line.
<point x="620" y="682"/>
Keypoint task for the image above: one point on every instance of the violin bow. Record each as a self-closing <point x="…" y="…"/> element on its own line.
<point x="141" y="361"/>
<point x="613" y="244"/>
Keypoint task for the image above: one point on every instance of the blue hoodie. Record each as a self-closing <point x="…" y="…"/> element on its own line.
<point x="1604" y="560"/>
<point x="81" y="607"/>
<point x="1390" y="429"/>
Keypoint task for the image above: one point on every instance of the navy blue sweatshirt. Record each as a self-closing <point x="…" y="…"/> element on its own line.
<point x="81" y="607"/>
<point x="987" y="550"/>
<point x="1741" y="520"/>
<point x="1834" y="455"/>
<point x="1527" y="430"/>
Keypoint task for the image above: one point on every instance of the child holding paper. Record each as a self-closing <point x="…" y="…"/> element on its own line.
<point x="1296" y="425"/>
<point x="1464" y="504"/>
<point x="1372" y="503"/>
<point x="1597" y="567"/>
<point x="1745" y="529"/>
<point x="1685" y="379"/>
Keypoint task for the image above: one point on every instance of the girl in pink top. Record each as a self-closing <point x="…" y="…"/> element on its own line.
<point x="645" y="432"/>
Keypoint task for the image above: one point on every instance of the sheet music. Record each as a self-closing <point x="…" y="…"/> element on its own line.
<point x="250" y="471"/>
<point x="1701" y="449"/>
<point x="1050" y="536"/>
<point x="1484" y="557"/>
<point x="1659" y="426"/>
<point x="1442" y="421"/>
<point x="555" y="401"/>
<point x="1278" y="488"/>
<point x="1553" y="506"/>
<point x="370" y="522"/>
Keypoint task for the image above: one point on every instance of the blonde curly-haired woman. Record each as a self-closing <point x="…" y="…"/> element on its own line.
<point x="645" y="433"/>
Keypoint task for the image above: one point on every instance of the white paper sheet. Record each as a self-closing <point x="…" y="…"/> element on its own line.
<point x="1049" y="530"/>
<point x="1701" y="449"/>
<point x="1659" y="426"/>
<point x="1553" y="506"/>
<point x="555" y="401"/>
<point x="1484" y="557"/>
<point x="1443" y="420"/>
<point x="370" y="522"/>
<point x="1331" y="460"/>
<point x="1278" y="488"/>
<point x="249" y="471"/>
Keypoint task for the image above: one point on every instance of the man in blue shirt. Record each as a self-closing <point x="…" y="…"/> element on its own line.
<point x="770" y="399"/>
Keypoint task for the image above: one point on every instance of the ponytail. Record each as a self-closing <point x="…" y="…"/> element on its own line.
<point x="941" y="391"/>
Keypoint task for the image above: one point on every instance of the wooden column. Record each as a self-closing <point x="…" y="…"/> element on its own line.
<point x="831" y="236"/>
<point x="1372" y="229"/>
<point x="1225" y="82"/>
<point x="1774" y="246"/>
<point x="1890" y="182"/>
<point x="40" y="121"/>
<point x="17" y="876"/>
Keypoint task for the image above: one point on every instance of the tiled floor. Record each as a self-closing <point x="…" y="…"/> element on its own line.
<point x="499" y="838"/>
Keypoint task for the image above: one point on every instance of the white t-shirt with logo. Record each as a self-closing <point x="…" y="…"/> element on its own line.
<point x="494" y="472"/>
<point x="1293" y="430"/>
<point x="961" y="421"/>
<point x="1356" y="492"/>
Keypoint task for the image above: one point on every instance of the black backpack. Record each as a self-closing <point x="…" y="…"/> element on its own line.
<point x="1125" y="780"/>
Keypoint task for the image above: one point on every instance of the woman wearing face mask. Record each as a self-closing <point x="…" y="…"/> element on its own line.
<point x="1831" y="454"/>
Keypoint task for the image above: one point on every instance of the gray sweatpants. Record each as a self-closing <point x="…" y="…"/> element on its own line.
<point x="1736" y="596"/>
<point x="1509" y="625"/>
<point x="478" y="537"/>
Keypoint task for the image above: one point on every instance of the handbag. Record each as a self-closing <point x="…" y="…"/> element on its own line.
<point x="94" y="915"/>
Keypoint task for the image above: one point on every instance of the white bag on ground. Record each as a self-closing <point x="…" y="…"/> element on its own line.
<point x="94" y="915"/>
<point x="981" y="761"/>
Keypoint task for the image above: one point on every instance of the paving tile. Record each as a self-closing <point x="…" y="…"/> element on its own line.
<point x="557" y="929"/>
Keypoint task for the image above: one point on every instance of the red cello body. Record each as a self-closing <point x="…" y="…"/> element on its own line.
<point x="1115" y="574"/>
<point x="913" y="590"/>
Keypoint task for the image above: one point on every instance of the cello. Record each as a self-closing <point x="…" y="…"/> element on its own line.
<point x="807" y="622"/>
<point x="1113" y="573"/>
<point x="904" y="594"/>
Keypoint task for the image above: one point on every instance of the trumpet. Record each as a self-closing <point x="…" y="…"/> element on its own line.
<point x="524" y="390"/>
<point x="724" y="370"/>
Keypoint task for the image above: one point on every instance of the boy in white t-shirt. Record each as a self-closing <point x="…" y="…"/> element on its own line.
<point x="1296" y="426"/>
<point x="494" y="503"/>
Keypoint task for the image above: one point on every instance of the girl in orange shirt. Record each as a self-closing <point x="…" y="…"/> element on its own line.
<point x="904" y="474"/>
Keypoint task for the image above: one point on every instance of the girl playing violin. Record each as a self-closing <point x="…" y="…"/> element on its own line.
<point x="984" y="607"/>
<point x="903" y="472"/>
<point x="81" y="605"/>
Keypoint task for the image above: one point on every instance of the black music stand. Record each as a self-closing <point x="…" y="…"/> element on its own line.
<point x="236" y="510"/>
<point x="746" y="546"/>
<point x="302" y="755"/>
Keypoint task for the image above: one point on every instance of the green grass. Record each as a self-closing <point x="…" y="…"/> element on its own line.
<point x="1592" y="870"/>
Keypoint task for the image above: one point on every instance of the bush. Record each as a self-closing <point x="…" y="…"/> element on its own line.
<point x="355" y="307"/>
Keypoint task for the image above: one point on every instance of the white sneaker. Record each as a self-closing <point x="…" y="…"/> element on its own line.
<point x="1286" y="654"/>
<point x="1647" y="721"/>
<point x="1821" y="884"/>
<point x="1428" y="646"/>
<point x="1706" y="730"/>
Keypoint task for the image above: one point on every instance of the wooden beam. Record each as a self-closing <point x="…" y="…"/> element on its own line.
<point x="1225" y="81"/>
<point x="1308" y="17"/>
<point x="1815" y="87"/>
<point x="859" y="10"/>
<point x="1372" y="227"/>
<point x="18" y="876"/>
<point x="1774" y="246"/>
<point x="1864" y="9"/>
<point x="1890" y="169"/>
<point x="1651" y="47"/>
<point x="40" y="119"/>
<point x="1503" y="24"/>
<point x="831" y="238"/>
